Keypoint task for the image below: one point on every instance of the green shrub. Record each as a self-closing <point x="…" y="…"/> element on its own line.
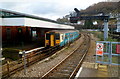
<point x="111" y="39"/>
<point x="11" y="53"/>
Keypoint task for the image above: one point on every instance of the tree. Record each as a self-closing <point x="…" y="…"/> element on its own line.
<point x="63" y="20"/>
<point x="88" y="24"/>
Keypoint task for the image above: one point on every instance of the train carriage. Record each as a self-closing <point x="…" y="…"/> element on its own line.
<point x="60" y="37"/>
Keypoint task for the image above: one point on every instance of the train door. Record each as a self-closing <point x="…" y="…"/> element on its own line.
<point x="57" y="39"/>
<point x="52" y="40"/>
<point x="47" y="40"/>
<point x="8" y="34"/>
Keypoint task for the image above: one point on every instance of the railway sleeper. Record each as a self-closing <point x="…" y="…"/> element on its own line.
<point x="69" y="67"/>
<point x="65" y="70"/>
<point x="59" y="74"/>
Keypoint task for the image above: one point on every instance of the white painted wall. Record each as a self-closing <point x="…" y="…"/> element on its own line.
<point x="33" y="23"/>
<point x="13" y="21"/>
<point x="0" y="21"/>
<point x="66" y="26"/>
<point x="39" y="23"/>
<point x="44" y="24"/>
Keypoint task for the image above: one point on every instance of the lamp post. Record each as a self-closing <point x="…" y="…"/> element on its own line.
<point x="105" y="29"/>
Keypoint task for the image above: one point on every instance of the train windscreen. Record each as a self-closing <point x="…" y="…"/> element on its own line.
<point x="57" y="36"/>
<point x="47" y="36"/>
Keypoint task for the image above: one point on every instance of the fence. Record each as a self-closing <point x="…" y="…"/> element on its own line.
<point x="12" y="67"/>
<point x="108" y="52"/>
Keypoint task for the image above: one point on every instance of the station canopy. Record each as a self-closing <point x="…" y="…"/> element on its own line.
<point x="12" y="18"/>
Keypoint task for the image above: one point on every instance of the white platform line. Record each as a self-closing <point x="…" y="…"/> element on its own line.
<point x="34" y="49"/>
<point x="78" y="73"/>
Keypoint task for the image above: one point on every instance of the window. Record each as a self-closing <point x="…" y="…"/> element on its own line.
<point x="71" y="35"/>
<point x="62" y="37"/>
<point x="34" y="34"/>
<point x="47" y="36"/>
<point x="20" y="30"/>
<point x="66" y="37"/>
<point x="57" y="36"/>
<point x="8" y="33"/>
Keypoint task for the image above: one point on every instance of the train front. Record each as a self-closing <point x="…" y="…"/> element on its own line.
<point x="52" y="39"/>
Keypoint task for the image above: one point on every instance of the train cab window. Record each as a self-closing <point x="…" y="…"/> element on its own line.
<point x="8" y="33"/>
<point x="57" y="36"/>
<point x="62" y="37"/>
<point x="47" y="36"/>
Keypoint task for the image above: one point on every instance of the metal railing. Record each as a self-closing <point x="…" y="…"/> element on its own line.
<point x="111" y="53"/>
<point x="12" y="67"/>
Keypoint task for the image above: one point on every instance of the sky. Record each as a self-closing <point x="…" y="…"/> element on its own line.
<point x="51" y="9"/>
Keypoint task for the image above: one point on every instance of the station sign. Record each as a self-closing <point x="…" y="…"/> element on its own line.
<point x="118" y="49"/>
<point x="99" y="48"/>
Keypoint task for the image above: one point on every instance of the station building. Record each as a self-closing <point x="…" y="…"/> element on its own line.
<point x="17" y="27"/>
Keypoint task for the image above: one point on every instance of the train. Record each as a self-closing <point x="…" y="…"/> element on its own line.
<point x="60" y="37"/>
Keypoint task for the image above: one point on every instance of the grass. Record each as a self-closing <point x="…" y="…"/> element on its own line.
<point x="100" y="35"/>
<point x="106" y="59"/>
<point x="115" y="60"/>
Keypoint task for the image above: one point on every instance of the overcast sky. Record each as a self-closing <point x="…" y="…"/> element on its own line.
<point x="51" y="9"/>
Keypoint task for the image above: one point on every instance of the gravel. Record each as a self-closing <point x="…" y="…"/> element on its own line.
<point x="114" y="71"/>
<point x="40" y="68"/>
<point x="89" y="62"/>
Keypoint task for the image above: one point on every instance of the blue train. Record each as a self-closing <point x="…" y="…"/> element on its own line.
<point x="60" y="37"/>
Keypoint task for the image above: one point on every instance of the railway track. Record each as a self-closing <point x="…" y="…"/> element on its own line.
<point x="31" y="58"/>
<point x="38" y="55"/>
<point x="69" y="66"/>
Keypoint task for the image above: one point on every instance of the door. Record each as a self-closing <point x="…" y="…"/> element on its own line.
<point x="52" y="40"/>
<point x="8" y="34"/>
<point x="20" y="34"/>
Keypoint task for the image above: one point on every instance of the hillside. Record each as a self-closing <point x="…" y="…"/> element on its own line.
<point x="106" y="7"/>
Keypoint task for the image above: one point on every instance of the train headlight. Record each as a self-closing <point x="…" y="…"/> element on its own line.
<point x="57" y="41"/>
<point x="47" y="42"/>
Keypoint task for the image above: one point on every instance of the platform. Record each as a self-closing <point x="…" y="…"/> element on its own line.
<point x="90" y="70"/>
